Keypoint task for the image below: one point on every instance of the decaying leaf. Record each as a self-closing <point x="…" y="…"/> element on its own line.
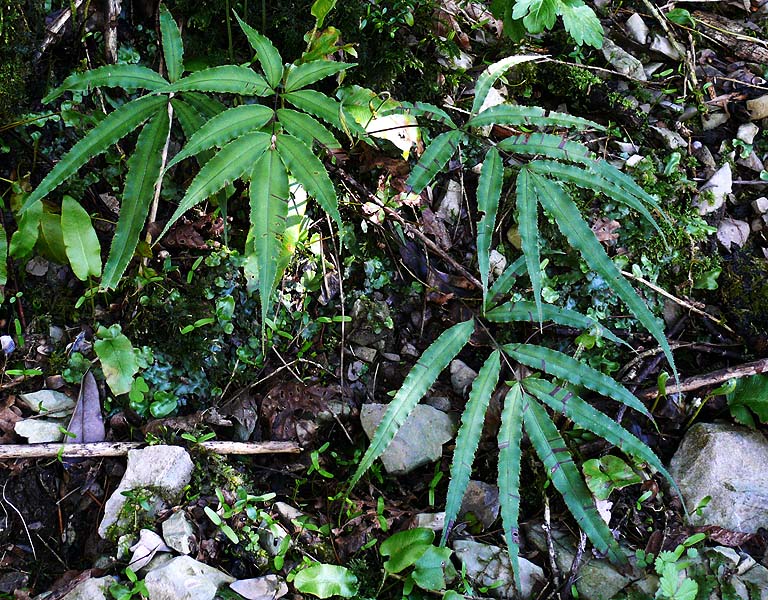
<point x="87" y="424"/>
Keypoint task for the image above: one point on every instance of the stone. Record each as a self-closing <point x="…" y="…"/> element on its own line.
<point x="488" y="565"/>
<point x="462" y="377"/>
<point x="732" y="232"/>
<point x="752" y="161"/>
<point x="728" y="463"/>
<point x="184" y="578"/>
<point x="146" y="548"/>
<point x="637" y="29"/>
<point x="672" y="139"/>
<point x="661" y="44"/>
<point x="450" y="206"/>
<point x="758" y="107"/>
<point x="418" y="442"/>
<point x="760" y="205"/>
<point x="269" y="587"/>
<point x="481" y="503"/>
<point x="497" y="262"/>
<point x="441" y="403"/>
<point x="365" y="354"/>
<point x="271" y="537"/>
<point x="433" y="521"/>
<point x="747" y="132"/>
<point x="623" y="61"/>
<point x="94" y="588"/>
<point x="717" y="189"/>
<point x="178" y="533"/>
<point x="41" y="431"/>
<point x="49" y="403"/>
<point x="165" y="470"/>
<point x="713" y="120"/>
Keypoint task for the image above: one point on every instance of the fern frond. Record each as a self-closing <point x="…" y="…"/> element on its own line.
<point x="300" y="76"/>
<point x="429" y="111"/>
<point x="325" y="108"/>
<point x="127" y="77"/>
<point x="506" y="280"/>
<point x="528" y="227"/>
<point x="306" y="128"/>
<point x="228" y="79"/>
<point x="468" y="438"/>
<point x="529" y="116"/>
<point x="434" y="158"/>
<point x="487" y="78"/>
<point x="549" y="145"/>
<point x="269" y="58"/>
<point x="416" y="385"/>
<point x="173" y="48"/>
<point x="488" y="196"/>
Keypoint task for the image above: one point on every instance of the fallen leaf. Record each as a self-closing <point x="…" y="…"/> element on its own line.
<point x="87" y="424"/>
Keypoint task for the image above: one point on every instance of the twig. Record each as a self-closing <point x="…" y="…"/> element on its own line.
<point x="547" y="527"/>
<point x="55" y="28"/>
<point x="159" y="182"/>
<point x="102" y="449"/>
<point x="23" y="522"/>
<point x="710" y="379"/>
<point x="576" y="564"/>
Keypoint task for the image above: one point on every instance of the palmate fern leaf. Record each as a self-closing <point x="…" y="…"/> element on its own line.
<point x="306" y="128"/>
<point x="528" y="227"/>
<point x="570" y="222"/>
<point x="569" y="369"/>
<point x="488" y="196"/>
<point x="113" y="128"/>
<point x="269" y="208"/>
<point x="510" y="437"/>
<point x="207" y="106"/>
<point x="468" y="438"/>
<point x="553" y="452"/>
<point x="325" y="108"/>
<point x="143" y="173"/>
<point x="416" y="385"/>
<point x="127" y="77"/>
<point x="529" y="116"/>
<point x="434" y="158"/>
<point x="173" y="48"/>
<point x="300" y="76"/>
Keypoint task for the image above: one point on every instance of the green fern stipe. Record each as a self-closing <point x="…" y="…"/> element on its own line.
<point x="510" y="437"/>
<point x="569" y="369"/>
<point x="128" y="77"/>
<point x="434" y="158"/>
<point x="267" y="55"/>
<point x="488" y="196"/>
<point x="229" y="79"/>
<point x="468" y="438"/>
<point x="173" y="49"/>
<point x="553" y="452"/>
<point x="528" y="225"/>
<point x="112" y="129"/>
<point x="143" y="173"/>
<point x="581" y="237"/>
<point x="530" y="116"/>
<point x="416" y="385"/>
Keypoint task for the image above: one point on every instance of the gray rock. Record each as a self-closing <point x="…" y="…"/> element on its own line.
<point x="760" y="205"/>
<point x="178" y="533"/>
<point x="418" y="442"/>
<point x="718" y="187"/>
<point x="441" y="403"/>
<point x="271" y="537"/>
<point x="481" y="501"/>
<point x="672" y="139"/>
<point x="747" y="132"/>
<point x="162" y="469"/>
<point x="365" y="354"/>
<point x="758" y="108"/>
<point x="184" y="578"/>
<point x="727" y="463"/>
<point x="146" y="548"/>
<point x="662" y="44"/>
<point x="462" y="377"/>
<point x="95" y="588"/>
<point x="637" y="29"/>
<point x="623" y="61"/>
<point x="713" y="120"/>
<point x="41" y="431"/>
<point x="49" y="402"/>
<point x="487" y="565"/>
<point x="732" y="232"/>
<point x="269" y="587"/>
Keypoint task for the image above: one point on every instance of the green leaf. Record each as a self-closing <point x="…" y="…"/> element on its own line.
<point x="405" y="548"/>
<point x="506" y="280"/>
<point x="80" y="241"/>
<point x="231" y="79"/>
<point x="488" y="196"/>
<point x="128" y="77"/>
<point x="510" y="436"/>
<point x="528" y="227"/>
<point x="531" y="116"/>
<point x="591" y="419"/>
<point x="269" y="208"/>
<point x="305" y="128"/>
<point x="113" y="128"/>
<point x="325" y="581"/>
<point x="416" y="385"/>
<point x="431" y="569"/>
<point x="3" y="262"/>
<point x="320" y="10"/>
<point x="626" y="184"/>
<point x="50" y="241"/>
<point x="434" y="158"/>
<point x="229" y="164"/>
<point x="118" y="360"/>
<point x="581" y="237"/>
<point x="430" y="111"/>
<point x="24" y="238"/>
<point x="303" y="75"/>
<point x="327" y="109"/>
<point x="750" y="394"/>
<point x="581" y="23"/>
<point x="205" y="105"/>
<point x="564" y="367"/>
<point x="553" y="452"/>
<point x="537" y="15"/>
<point x="268" y="56"/>
<point x="173" y="49"/>
<point x="608" y="473"/>
<point x="309" y="172"/>
<point x="143" y="174"/>
<point x="468" y="438"/>
<point x="223" y="128"/>
<point x="488" y="77"/>
<point x="191" y="122"/>
<point x="523" y="311"/>
<point x="551" y="146"/>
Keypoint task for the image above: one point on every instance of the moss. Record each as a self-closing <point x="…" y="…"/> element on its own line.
<point x="744" y="297"/>
<point x="20" y="24"/>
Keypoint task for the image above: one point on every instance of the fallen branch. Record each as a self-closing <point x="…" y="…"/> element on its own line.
<point x="710" y="379"/>
<point x="105" y="449"/>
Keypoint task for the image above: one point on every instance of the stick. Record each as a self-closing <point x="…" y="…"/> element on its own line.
<point x="709" y="379"/>
<point x="104" y="449"/>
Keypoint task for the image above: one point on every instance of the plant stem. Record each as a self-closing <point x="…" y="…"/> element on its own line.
<point x="158" y="183"/>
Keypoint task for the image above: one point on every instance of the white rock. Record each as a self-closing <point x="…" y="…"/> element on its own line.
<point x="94" y="588"/>
<point x="718" y="187"/>
<point x="758" y="107"/>
<point x="623" y="61"/>
<point x="164" y="469"/>
<point x="178" y="533"/>
<point x="713" y="120"/>
<point x="41" y="431"/>
<point x="634" y="160"/>
<point x="184" y="578"/>
<point x="672" y="139"/>
<point x="760" y="205"/>
<point x="637" y="29"/>
<point x="732" y="232"/>
<point x="418" y="442"/>
<point x="450" y="206"/>
<point x="49" y="402"/>
<point x="747" y="132"/>
<point x="462" y="377"/>
<point x="145" y="549"/>
<point x="752" y="162"/>
<point x="489" y="565"/>
<point x="269" y="587"/>
<point x="497" y="263"/>
<point x="661" y="44"/>
<point x="433" y="521"/>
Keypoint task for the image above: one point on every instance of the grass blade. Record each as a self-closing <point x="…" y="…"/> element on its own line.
<point x="434" y="158"/>
<point x="416" y="385"/>
<point x="488" y="196"/>
<point x="472" y="420"/>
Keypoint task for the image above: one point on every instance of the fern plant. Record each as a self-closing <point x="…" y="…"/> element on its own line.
<point x="557" y="377"/>
<point x="261" y="141"/>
